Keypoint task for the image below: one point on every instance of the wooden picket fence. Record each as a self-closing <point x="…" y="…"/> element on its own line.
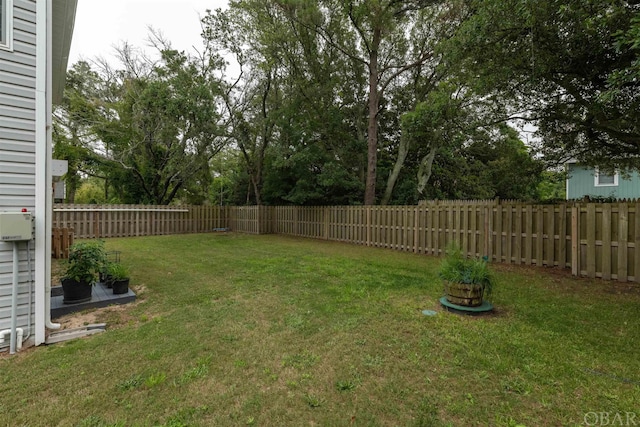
<point x="101" y="221"/>
<point x="593" y="240"/>
<point x="61" y="240"/>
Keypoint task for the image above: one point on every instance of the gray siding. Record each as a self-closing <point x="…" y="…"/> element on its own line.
<point x="17" y="151"/>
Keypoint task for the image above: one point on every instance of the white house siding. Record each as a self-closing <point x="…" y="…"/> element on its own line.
<point x="17" y="151"/>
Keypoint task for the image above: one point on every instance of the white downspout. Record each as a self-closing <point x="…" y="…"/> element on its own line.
<point x="43" y="172"/>
<point x="48" y="175"/>
<point x="30" y="271"/>
<point x="14" y="299"/>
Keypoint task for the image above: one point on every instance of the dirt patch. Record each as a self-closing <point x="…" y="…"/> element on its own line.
<point x="114" y="316"/>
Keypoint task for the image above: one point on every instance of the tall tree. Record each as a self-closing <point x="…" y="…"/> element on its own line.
<point x="73" y="122"/>
<point x="292" y="111"/>
<point x="387" y="39"/>
<point x="160" y="127"/>
<point x="374" y="44"/>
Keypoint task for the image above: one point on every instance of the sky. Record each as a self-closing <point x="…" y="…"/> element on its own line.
<point x="100" y="25"/>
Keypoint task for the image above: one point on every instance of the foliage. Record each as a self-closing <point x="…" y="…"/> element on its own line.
<point x="318" y="74"/>
<point x="86" y="261"/>
<point x="117" y="271"/>
<point x="336" y="98"/>
<point x="456" y="268"/>
<point x="73" y="121"/>
<point x="91" y="191"/>
<point x="568" y="66"/>
<point x="160" y="127"/>
<point x="553" y="186"/>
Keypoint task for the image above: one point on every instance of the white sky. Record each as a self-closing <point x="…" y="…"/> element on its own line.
<point x="102" y="24"/>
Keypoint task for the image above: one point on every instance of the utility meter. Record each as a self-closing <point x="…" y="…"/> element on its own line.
<point x="15" y="226"/>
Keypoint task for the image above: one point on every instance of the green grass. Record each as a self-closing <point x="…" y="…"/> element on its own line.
<point x="267" y="330"/>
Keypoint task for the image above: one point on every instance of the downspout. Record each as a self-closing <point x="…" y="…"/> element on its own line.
<point x="43" y="172"/>
<point x="14" y="299"/>
<point x="29" y="314"/>
<point x="48" y="175"/>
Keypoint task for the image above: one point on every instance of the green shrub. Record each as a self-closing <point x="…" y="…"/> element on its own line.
<point x="86" y="260"/>
<point x="117" y="271"/>
<point x="456" y="268"/>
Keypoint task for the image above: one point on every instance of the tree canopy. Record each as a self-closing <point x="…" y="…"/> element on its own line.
<point x="360" y="102"/>
<point x="570" y="67"/>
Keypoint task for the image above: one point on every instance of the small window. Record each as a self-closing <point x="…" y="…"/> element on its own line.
<point x="6" y="24"/>
<point x="604" y="179"/>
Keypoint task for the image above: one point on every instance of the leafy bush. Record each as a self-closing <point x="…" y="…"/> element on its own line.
<point x="86" y="260"/>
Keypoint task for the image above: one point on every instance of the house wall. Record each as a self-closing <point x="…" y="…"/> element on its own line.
<point x="17" y="152"/>
<point x="581" y="182"/>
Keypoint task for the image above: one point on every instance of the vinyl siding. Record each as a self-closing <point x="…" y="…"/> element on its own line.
<point x="582" y="183"/>
<point x="17" y="152"/>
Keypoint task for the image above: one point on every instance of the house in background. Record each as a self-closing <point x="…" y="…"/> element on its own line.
<point x="587" y="181"/>
<point x="35" y="37"/>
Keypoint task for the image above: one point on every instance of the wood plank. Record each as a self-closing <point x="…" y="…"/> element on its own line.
<point x="473" y="228"/>
<point x="636" y="265"/>
<point x="517" y="243"/>
<point x="528" y="237"/>
<point x="497" y="256"/>
<point x="551" y="236"/>
<point x="606" y="242"/>
<point x="539" y="210"/>
<point x="464" y="245"/>
<point x="563" y="236"/>
<point x="591" y="240"/>
<point x="508" y="227"/>
<point x="623" y="238"/>
<point x="575" y="241"/>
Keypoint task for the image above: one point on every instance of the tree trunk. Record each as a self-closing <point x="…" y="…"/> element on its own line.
<point x="403" y="150"/>
<point x="424" y="171"/>
<point x="372" y="129"/>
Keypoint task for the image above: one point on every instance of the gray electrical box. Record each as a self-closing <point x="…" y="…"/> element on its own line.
<point x="15" y="226"/>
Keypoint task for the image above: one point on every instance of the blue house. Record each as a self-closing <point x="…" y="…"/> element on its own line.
<point x="587" y="181"/>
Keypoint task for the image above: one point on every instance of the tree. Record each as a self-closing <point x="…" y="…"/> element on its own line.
<point x="568" y="66"/>
<point x="160" y="125"/>
<point x="387" y="39"/>
<point x="73" y="122"/>
<point x="342" y="53"/>
<point x="292" y="111"/>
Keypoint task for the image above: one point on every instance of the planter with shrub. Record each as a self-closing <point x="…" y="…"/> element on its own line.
<point x="86" y="260"/>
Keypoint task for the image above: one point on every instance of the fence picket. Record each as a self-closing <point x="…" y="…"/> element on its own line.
<point x="623" y="234"/>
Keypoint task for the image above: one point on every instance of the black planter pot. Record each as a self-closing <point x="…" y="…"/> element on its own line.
<point x="105" y="279"/>
<point x="120" y="286"/>
<point x="75" y="292"/>
<point x="108" y="281"/>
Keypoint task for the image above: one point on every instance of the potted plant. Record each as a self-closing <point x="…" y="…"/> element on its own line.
<point x="105" y="277"/>
<point x="467" y="281"/>
<point x="86" y="259"/>
<point x="118" y="274"/>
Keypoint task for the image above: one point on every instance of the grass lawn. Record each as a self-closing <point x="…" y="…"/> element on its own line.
<point x="269" y="330"/>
